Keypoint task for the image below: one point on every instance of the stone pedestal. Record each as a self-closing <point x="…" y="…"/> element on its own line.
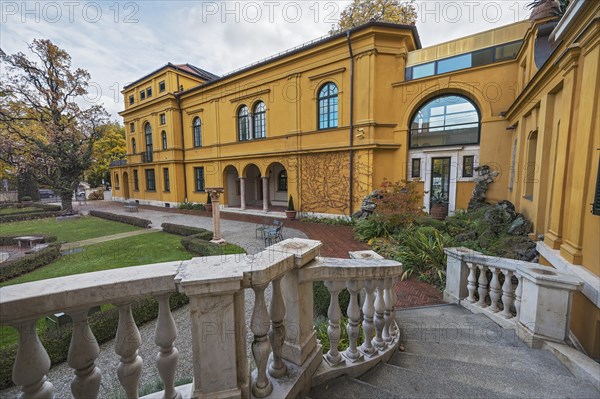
<point x="545" y="305"/>
<point x="215" y="194"/>
<point x="456" y="274"/>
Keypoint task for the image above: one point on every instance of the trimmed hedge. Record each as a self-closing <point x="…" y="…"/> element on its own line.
<point x="198" y="246"/>
<point x="132" y="220"/>
<point x="14" y="268"/>
<point x="10" y="238"/>
<point x="103" y="325"/>
<point x="187" y="231"/>
<point x="21" y="217"/>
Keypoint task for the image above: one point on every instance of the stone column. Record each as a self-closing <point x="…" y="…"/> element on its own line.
<point x="456" y="274"/>
<point x="265" y="184"/>
<point x="215" y="194"/>
<point x="242" y="193"/>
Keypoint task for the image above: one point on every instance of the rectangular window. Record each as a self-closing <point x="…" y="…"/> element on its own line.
<point x="150" y="180"/>
<point x="596" y="204"/>
<point x="161" y="86"/>
<point x="199" y="178"/>
<point x="149" y="92"/>
<point x="507" y="51"/>
<point x="482" y="57"/>
<point x="421" y="71"/>
<point x="163" y="119"/>
<point x="416" y="168"/>
<point x="454" y="63"/>
<point x="467" y="170"/>
<point x="166" y="182"/>
<point x="132" y="127"/>
<point x="131" y="99"/>
<point x="142" y="95"/>
<point x="136" y="181"/>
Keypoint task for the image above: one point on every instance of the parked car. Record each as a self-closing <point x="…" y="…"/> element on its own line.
<point x="80" y="195"/>
<point x="46" y="193"/>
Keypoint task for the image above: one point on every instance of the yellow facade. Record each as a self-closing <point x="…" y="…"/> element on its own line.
<point x="536" y="126"/>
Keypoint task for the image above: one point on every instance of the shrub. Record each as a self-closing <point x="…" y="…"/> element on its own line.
<point x="132" y="220"/>
<point x="421" y="251"/>
<point x="182" y="230"/>
<point x="339" y="220"/>
<point x="103" y="325"/>
<point x="20" y="217"/>
<point x="10" y="239"/>
<point x="321" y="329"/>
<point x="14" y="268"/>
<point x="27" y="187"/>
<point x="198" y="246"/>
<point x="26" y="198"/>
<point x="370" y="228"/>
<point x="321" y="300"/>
<point x="192" y="206"/>
<point x="97" y="195"/>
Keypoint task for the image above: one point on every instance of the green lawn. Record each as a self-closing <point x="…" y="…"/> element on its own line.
<point x="27" y="209"/>
<point x="68" y="230"/>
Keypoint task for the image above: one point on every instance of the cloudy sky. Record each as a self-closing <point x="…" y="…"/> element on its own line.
<point x="120" y="41"/>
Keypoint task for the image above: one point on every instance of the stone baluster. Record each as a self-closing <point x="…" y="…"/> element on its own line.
<point x="482" y="285"/>
<point x="277" y="368"/>
<point x="389" y="308"/>
<point x="127" y="342"/>
<point x="31" y="364"/>
<point x="378" y="341"/>
<point x="260" y="346"/>
<point x="472" y="282"/>
<point x="334" y="314"/>
<point x="168" y="355"/>
<point x="518" y="294"/>
<point x="83" y="352"/>
<point x="394" y="327"/>
<point x="352" y="353"/>
<point x="507" y="294"/>
<point x="368" y="312"/>
<point x="495" y="290"/>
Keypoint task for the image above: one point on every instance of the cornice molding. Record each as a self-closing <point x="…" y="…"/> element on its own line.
<point x="329" y="73"/>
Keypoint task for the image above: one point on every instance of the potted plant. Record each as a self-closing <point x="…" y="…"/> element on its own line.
<point x="208" y="205"/>
<point x="439" y="207"/>
<point x="290" y="212"/>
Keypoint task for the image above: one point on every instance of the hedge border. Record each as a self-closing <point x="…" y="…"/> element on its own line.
<point x="182" y="230"/>
<point x="103" y="325"/>
<point x="132" y="220"/>
<point x="22" y="217"/>
<point x="15" y="268"/>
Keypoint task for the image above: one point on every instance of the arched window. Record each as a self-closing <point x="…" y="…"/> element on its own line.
<point x="328" y="106"/>
<point x="149" y="149"/>
<point x="260" y="120"/>
<point x="133" y="147"/>
<point x="531" y="166"/>
<point x="197" y="127"/>
<point x="163" y="136"/>
<point x="445" y="121"/>
<point x="243" y="123"/>
<point x="282" y="181"/>
<point x="117" y="186"/>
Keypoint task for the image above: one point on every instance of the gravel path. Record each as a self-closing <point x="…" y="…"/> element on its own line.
<point x="240" y="233"/>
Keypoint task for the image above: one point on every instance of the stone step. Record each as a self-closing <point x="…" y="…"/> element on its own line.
<point x="404" y="383"/>
<point x="488" y="334"/>
<point x="349" y="388"/>
<point x="444" y="311"/>
<point x="534" y="383"/>
<point x="451" y="320"/>
<point x="520" y="358"/>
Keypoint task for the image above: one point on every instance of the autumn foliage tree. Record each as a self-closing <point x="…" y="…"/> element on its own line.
<point x="360" y="12"/>
<point x="46" y="127"/>
<point x="110" y="146"/>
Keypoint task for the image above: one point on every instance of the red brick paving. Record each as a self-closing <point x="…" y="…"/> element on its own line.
<point x="337" y="242"/>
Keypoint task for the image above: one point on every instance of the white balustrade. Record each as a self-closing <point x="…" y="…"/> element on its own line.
<point x="352" y="353"/>
<point x="472" y="282"/>
<point x="378" y="341"/>
<point x="168" y="355"/>
<point x="31" y="364"/>
<point x="277" y="368"/>
<point x="495" y="290"/>
<point x="482" y="285"/>
<point x="83" y="352"/>
<point x="518" y="294"/>
<point x="507" y="294"/>
<point x="334" y="315"/>
<point x="260" y="346"/>
<point x="368" y="313"/>
<point x="389" y="309"/>
<point x="127" y="343"/>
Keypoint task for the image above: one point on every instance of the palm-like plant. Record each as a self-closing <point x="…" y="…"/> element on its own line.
<point x="557" y="8"/>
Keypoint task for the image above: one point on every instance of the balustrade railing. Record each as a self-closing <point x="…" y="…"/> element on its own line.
<point x="496" y="286"/>
<point x="286" y="352"/>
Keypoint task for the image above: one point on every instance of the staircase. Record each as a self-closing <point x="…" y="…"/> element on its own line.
<point x="453" y="353"/>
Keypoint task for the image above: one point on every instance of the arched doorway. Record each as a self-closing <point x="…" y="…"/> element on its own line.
<point x="125" y="185"/>
<point x="232" y="186"/>
<point x="253" y="186"/>
<point x="278" y="184"/>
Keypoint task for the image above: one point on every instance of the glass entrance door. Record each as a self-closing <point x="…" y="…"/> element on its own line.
<point x="440" y="182"/>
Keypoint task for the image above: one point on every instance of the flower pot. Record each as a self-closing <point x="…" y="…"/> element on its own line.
<point x="291" y="215"/>
<point x="439" y="211"/>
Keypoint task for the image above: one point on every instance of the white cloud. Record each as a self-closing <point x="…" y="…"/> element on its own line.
<point x="126" y="42"/>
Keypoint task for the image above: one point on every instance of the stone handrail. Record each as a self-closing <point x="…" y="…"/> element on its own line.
<point x="286" y="352"/>
<point x="535" y="299"/>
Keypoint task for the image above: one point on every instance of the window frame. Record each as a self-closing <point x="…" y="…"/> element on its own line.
<point x="166" y="181"/>
<point x="163" y="137"/>
<point x="148" y="172"/>
<point x="133" y="146"/>
<point x="148" y="92"/>
<point x="282" y="181"/>
<point x="464" y="166"/>
<point x="131" y="99"/>
<point x="149" y="141"/>
<point x="136" y="180"/>
<point x="328" y="98"/>
<point x="131" y="127"/>
<point x="197" y="132"/>
<point x="162" y="86"/>
<point x="262" y="114"/>
<point x="246" y="117"/>
<point x="199" y="188"/>
<point x="142" y="94"/>
<point x="162" y="118"/>
<point x="431" y="99"/>
<point x="414" y="175"/>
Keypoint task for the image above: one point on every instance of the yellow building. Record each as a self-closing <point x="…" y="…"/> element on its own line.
<point x="328" y="121"/>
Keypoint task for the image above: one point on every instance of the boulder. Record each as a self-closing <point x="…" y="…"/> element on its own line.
<point x="520" y="226"/>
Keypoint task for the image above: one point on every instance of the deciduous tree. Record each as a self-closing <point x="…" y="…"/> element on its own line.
<point x="109" y="147"/>
<point x="360" y="12"/>
<point x="47" y="126"/>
